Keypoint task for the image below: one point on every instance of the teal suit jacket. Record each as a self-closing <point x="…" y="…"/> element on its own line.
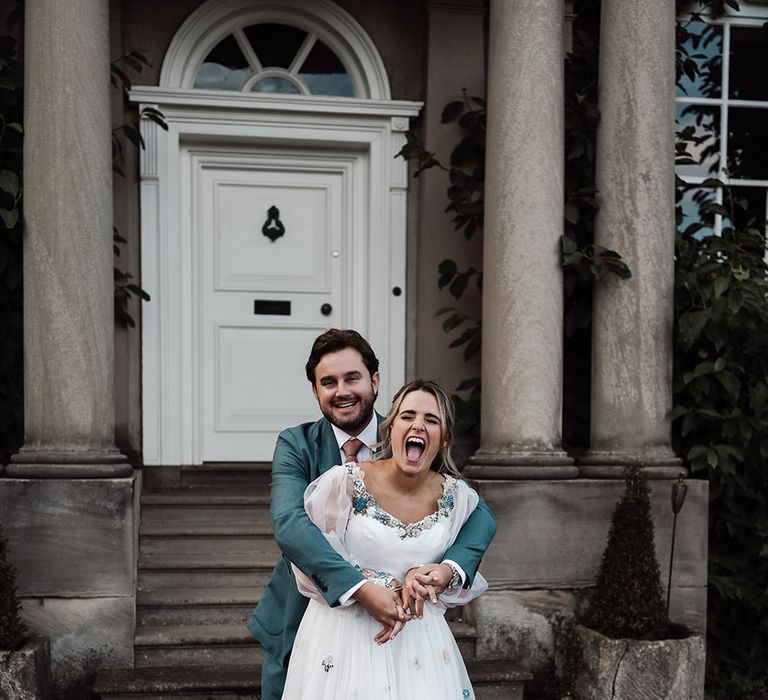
<point x="302" y="454"/>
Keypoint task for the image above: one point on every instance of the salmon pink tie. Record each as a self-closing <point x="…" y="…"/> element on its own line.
<point x="351" y="448"/>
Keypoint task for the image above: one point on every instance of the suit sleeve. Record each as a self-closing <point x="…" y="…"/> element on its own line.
<point x="472" y="541"/>
<point x="298" y="538"/>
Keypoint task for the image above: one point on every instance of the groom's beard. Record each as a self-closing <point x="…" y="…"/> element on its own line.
<point x="354" y="418"/>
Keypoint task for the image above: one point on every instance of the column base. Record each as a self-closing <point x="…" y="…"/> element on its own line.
<point x="516" y="466"/>
<point x="612" y="465"/>
<point x="63" y="463"/>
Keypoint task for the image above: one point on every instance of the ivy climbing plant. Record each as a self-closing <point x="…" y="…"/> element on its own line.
<point x="120" y="70"/>
<point x="721" y="384"/>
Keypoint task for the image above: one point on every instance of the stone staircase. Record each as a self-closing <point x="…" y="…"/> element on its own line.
<point x="206" y="553"/>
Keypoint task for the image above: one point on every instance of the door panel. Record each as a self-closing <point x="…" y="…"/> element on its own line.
<point x="263" y="302"/>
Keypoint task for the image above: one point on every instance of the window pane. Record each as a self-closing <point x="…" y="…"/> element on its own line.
<point x="325" y="74"/>
<point x="275" y="45"/>
<point x="688" y="211"/>
<point x="703" y="45"/>
<point x="699" y="127"/>
<point x="748" y="207"/>
<point x="749" y="62"/>
<point x="748" y="143"/>
<point x="225" y="68"/>
<point x="275" y="85"/>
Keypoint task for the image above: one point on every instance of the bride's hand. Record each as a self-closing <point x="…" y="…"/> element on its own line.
<point x="386" y="606"/>
<point x="423" y="582"/>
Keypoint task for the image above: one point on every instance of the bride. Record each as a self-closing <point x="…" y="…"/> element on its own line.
<point x="386" y="517"/>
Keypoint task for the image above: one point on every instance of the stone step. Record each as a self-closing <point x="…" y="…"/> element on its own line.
<point x="213" y="527"/>
<point x="235" y="473"/>
<point x="206" y="606"/>
<point x="208" y="496"/>
<point x="196" y="645"/>
<point x="219" y="561"/>
<point x="497" y="679"/>
<point x="209" y="595"/>
<point x="238" y="574"/>
<point x="173" y="682"/>
<point x="259" y="550"/>
<point x="169" y="615"/>
<point x="465" y="635"/>
<point x="492" y="679"/>
<point x="170" y="514"/>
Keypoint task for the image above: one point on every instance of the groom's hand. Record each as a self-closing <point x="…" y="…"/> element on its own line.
<point x="424" y="582"/>
<point x="384" y="605"/>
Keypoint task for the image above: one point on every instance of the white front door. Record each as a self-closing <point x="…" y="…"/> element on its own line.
<point x="276" y="233"/>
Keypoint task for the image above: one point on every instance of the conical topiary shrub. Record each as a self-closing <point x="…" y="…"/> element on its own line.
<point x="628" y="601"/>
<point x="12" y="631"/>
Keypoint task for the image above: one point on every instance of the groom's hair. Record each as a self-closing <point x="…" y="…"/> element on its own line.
<point x="335" y="340"/>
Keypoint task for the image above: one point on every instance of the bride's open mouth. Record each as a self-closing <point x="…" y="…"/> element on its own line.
<point x="414" y="448"/>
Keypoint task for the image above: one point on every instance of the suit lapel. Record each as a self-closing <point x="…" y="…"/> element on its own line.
<point x="328" y="449"/>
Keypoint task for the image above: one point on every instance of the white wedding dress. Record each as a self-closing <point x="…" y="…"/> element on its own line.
<point x="334" y="656"/>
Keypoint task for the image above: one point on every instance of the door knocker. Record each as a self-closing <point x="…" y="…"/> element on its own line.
<point x="273" y="228"/>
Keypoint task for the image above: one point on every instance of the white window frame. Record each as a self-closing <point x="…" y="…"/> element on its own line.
<point x="751" y="14"/>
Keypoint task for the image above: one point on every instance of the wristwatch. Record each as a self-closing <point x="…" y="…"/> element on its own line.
<point x="455" y="581"/>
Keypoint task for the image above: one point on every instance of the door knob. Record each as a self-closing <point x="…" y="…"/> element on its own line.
<point x="326" y="309"/>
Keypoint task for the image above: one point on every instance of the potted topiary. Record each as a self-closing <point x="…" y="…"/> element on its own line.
<point x="628" y="647"/>
<point x="25" y="662"/>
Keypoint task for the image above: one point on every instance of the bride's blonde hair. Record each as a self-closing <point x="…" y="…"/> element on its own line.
<point x="443" y="461"/>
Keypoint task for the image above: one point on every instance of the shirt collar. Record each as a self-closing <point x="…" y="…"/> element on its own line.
<point x="367" y="436"/>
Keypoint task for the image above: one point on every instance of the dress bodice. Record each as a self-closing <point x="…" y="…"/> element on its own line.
<point x="379" y="542"/>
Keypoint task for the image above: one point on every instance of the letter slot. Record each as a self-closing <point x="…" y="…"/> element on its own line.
<point x="271" y="307"/>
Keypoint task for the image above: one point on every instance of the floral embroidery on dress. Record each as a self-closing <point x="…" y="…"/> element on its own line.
<point x="465" y="693"/>
<point x="327" y="663"/>
<point x="417" y="664"/>
<point x="363" y="503"/>
<point x="446" y="657"/>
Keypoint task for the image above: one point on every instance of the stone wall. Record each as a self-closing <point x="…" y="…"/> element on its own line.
<point x="73" y="543"/>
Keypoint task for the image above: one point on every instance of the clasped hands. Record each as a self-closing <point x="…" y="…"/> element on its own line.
<point x="393" y="607"/>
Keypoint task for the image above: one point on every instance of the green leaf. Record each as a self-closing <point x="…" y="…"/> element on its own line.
<point x="721" y="285"/>
<point x="10" y="217"/>
<point x="569" y="245"/>
<point x="730" y="382"/>
<point x="468" y="384"/>
<point x="9" y="182"/>
<point x="715" y="208"/>
<point x="720" y="364"/>
<point x="447" y="270"/>
<point x="451" y="111"/>
<point x="458" y="285"/>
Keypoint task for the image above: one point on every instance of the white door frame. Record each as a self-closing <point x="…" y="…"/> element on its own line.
<point x="169" y="357"/>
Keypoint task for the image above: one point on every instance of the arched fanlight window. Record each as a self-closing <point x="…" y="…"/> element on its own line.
<point x="277" y="59"/>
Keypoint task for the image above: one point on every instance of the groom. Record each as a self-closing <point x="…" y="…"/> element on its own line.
<point x="343" y="370"/>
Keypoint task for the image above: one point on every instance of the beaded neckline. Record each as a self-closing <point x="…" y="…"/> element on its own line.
<point x="364" y="503"/>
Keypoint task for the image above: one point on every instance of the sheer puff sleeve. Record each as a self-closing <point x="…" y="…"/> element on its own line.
<point x="465" y="502"/>
<point x="328" y="502"/>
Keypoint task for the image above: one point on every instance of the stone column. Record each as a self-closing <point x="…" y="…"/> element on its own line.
<point x="522" y="359"/>
<point x="632" y="319"/>
<point x="68" y="287"/>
